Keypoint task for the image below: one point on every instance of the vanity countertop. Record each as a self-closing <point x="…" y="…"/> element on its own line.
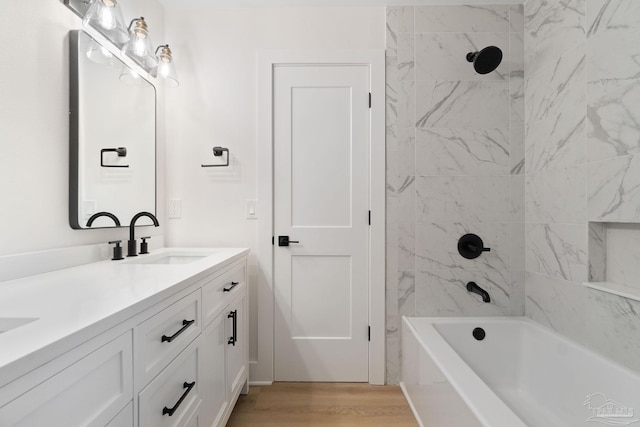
<point x="75" y="304"/>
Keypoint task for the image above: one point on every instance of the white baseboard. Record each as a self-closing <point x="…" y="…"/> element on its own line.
<point x="260" y="383"/>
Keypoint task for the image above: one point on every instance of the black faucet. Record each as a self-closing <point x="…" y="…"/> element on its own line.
<point x="473" y="287"/>
<point x="99" y="214"/>
<point x="131" y="244"/>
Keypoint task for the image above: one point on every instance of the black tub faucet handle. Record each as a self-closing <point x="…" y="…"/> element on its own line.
<point x="471" y="246"/>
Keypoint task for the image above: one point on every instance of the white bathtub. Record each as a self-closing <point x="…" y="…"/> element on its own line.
<point x="520" y="374"/>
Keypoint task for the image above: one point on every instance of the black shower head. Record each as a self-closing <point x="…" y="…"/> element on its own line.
<point x="486" y="60"/>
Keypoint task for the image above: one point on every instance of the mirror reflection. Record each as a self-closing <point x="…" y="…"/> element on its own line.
<point x="113" y="143"/>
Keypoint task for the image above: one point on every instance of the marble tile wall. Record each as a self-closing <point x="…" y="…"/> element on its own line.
<point x="582" y="163"/>
<point x="455" y="164"/>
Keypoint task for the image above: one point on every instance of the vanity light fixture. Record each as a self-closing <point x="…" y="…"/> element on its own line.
<point x="99" y="54"/>
<point x="139" y="45"/>
<point x="131" y="77"/>
<point x="166" y="68"/>
<point x="106" y="17"/>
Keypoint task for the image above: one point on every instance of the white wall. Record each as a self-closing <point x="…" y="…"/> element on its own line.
<point x="34" y="125"/>
<point x="217" y="104"/>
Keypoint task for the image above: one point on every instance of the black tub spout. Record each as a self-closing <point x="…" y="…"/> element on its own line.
<point x="473" y="287"/>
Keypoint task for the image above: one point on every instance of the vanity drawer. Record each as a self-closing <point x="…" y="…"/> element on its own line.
<point x="124" y="418"/>
<point x="159" y="339"/>
<point x="173" y="396"/>
<point x="194" y="421"/>
<point x="71" y="397"/>
<point x="216" y="294"/>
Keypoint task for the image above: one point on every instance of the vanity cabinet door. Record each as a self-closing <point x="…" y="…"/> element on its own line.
<point x="237" y="356"/>
<point x="214" y="386"/>
<point x="90" y="392"/>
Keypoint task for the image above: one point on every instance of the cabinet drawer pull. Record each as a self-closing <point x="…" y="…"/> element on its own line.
<point x="233" y="339"/>
<point x="230" y="287"/>
<point x="185" y="324"/>
<point x="171" y="411"/>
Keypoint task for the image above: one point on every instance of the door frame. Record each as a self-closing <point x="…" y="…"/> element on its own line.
<point x="375" y="60"/>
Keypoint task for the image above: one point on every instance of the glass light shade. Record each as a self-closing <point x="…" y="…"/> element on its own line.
<point x="166" y="67"/>
<point x="99" y="54"/>
<point x="130" y="77"/>
<point x="139" y="47"/>
<point x="106" y="17"/>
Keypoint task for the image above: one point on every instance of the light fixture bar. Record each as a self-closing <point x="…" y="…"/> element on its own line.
<point x="79" y="7"/>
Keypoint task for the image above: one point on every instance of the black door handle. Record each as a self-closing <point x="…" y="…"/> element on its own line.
<point x="284" y="241"/>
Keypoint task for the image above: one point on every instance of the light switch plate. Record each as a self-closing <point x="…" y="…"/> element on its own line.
<point x="252" y="209"/>
<point x="175" y="209"/>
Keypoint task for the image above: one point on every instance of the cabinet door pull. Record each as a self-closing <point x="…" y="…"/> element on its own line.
<point x="171" y="411"/>
<point x="228" y="288"/>
<point x="233" y="339"/>
<point x="185" y="324"/>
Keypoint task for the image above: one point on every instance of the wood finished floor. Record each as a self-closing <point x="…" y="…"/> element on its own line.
<point x="322" y="404"/>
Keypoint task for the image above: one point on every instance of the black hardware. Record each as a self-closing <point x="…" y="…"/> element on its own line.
<point x="217" y="151"/>
<point x="185" y="324"/>
<point x="121" y="151"/>
<point x="369" y="99"/>
<point x="369" y="334"/>
<point x="486" y="60"/>
<point x="284" y="241"/>
<point x="228" y="289"/>
<point x="117" y="250"/>
<point x="471" y="246"/>
<point x="131" y="244"/>
<point x="144" y="246"/>
<point x="171" y="411"/>
<point x="479" y="334"/>
<point x="473" y="287"/>
<point x="233" y="339"/>
<point x="369" y="217"/>
<point x="99" y="214"/>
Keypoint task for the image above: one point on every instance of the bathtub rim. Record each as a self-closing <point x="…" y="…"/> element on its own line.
<point x="486" y="405"/>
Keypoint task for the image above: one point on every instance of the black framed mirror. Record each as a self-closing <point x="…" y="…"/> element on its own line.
<point x="112" y="136"/>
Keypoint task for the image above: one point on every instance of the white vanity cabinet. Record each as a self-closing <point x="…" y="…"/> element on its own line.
<point x="159" y="339"/>
<point x="237" y="354"/>
<point x="214" y="386"/>
<point x="181" y="361"/>
<point x="91" y="390"/>
<point x="225" y="345"/>
<point x="174" y="395"/>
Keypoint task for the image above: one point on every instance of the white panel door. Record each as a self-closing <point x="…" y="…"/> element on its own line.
<point x="321" y="200"/>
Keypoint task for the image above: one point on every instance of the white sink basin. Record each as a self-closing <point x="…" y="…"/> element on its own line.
<point x="9" y="323"/>
<point x="169" y="258"/>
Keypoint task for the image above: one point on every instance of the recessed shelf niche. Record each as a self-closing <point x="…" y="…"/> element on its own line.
<point x="614" y="258"/>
